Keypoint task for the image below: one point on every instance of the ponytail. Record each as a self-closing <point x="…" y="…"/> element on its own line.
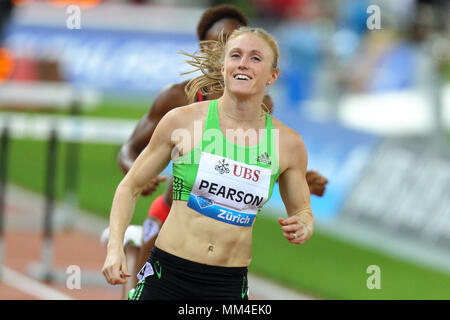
<point x="209" y="62"/>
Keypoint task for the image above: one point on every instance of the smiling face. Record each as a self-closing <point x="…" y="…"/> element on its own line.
<point x="248" y="65"/>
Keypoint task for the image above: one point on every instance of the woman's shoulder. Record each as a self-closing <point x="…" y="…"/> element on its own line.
<point x="283" y="128"/>
<point x="177" y="87"/>
<point x="292" y="149"/>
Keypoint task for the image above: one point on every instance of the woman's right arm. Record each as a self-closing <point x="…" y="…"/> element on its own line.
<point x="153" y="159"/>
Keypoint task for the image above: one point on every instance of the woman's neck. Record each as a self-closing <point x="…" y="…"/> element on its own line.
<point x="241" y="109"/>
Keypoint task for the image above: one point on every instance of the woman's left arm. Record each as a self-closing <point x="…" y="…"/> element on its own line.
<point x="299" y="226"/>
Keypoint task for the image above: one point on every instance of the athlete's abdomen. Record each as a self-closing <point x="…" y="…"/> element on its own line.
<point x="193" y="236"/>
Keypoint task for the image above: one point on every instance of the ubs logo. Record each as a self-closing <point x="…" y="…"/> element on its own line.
<point x="246" y="173"/>
<point x="238" y="170"/>
<point x="222" y="167"/>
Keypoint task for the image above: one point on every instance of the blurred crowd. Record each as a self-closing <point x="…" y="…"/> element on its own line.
<point x="337" y="47"/>
<point x="330" y="44"/>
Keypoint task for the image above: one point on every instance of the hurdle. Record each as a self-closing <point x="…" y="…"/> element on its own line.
<point x="53" y="96"/>
<point x="3" y="177"/>
<point x="61" y="97"/>
<point x="44" y="271"/>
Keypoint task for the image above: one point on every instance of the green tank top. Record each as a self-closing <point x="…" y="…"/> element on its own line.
<point x="223" y="180"/>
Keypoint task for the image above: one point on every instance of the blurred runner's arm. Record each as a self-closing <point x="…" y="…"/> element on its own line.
<point x="294" y="190"/>
<point x="171" y="97"/>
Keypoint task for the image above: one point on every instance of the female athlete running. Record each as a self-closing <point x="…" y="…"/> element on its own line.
<point x="223" y="18"/>
<point x="222" y="178"/>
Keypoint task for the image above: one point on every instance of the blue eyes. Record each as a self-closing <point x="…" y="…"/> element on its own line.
<point x="254" y="58"/>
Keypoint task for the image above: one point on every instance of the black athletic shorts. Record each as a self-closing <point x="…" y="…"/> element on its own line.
<point x="168" y="277"/>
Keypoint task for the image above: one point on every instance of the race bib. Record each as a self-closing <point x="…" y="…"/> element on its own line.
<point x="228" y="190"/>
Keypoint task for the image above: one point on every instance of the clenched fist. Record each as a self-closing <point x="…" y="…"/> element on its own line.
<point x="316" y="182"/>
<point x="294" y="230"/>
<point x="115" y="267"/>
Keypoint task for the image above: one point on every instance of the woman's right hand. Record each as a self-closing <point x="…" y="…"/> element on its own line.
<point x="115" y="267"/>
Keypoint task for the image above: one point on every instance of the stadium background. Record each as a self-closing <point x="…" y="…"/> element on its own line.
<point x="372" y="103"/>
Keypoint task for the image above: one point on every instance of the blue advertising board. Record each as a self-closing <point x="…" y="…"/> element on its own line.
<point x="114" y="61"/>
<point x="337" y="153"/>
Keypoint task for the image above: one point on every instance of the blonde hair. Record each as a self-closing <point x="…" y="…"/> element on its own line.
<point x="210" y="60"/>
